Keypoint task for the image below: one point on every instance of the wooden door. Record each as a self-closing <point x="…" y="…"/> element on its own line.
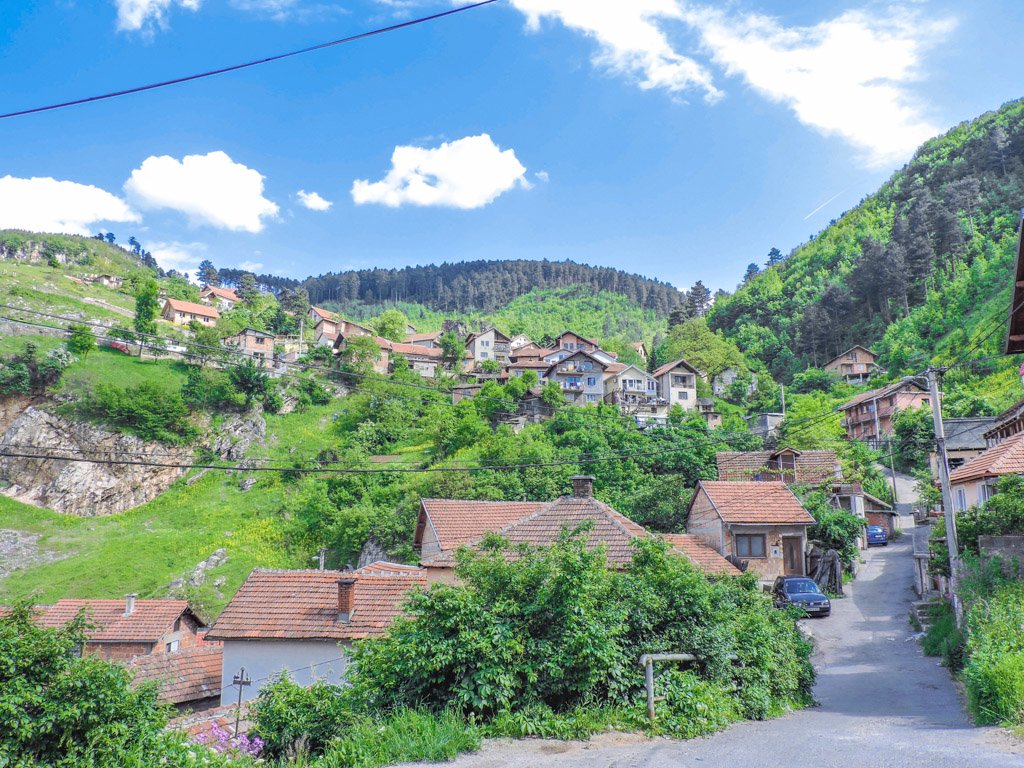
<point x="793" y="555"/>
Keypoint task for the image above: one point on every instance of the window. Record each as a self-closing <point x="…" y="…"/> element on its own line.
<point x="591" y="382"/>
<point x="961" y="499"/>
<point x="925" y="401"/>
<point x="172" y="646"/>
<point x="260" y="340"/>
<point x="750" y="545"/>
<point x="651" y="385"/>
<point x="592" y="398"/>
<point x="684" y="395"/>
<point x="483" y="355"/>
<point x="485" y="343"/>
<point x="177" y="624"/>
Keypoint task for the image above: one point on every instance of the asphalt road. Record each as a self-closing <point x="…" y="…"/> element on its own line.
<point x="882" y="704"/>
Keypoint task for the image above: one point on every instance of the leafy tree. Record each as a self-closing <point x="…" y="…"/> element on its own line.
<point x="295" y="300"/>
<point x="208" y="273"/>
<point x="452" y="348"/>
<point x="147" y="306"/>
<point x="914" y="436"/>
<point x="752" y="271"/>
<point x="110" y="238"/>
<point x="203" y="346"/>
<point x="679" y="315"/>
<point x="134" y="245"/>
<point x="148" y="410"/>
<point x="813" y="380"/>
<point x="490" y="367"/>
<point x="834" y="528"/>
<point x="774" y="257"/>
<point x="391" y="324"/>
<point x="81" y="340"/>
<point x="359" y="354"/>
<point x="250" y="380"/>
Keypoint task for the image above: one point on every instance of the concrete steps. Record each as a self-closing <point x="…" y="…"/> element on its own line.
<point x="921" y="611"/>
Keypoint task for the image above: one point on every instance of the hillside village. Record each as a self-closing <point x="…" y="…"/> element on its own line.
<point x="294" y="529"/>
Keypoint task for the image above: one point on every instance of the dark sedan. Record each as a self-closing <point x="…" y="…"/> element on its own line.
<point x="801" y="592"/>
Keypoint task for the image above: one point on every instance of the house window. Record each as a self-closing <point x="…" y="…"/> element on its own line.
<point x="177" y="624"/>
<point x="651" y="385"/>
<point x="485" y="343"/>
<point x="925" y="401"/>
<point x="260" y="339"/>
<point x="483" y="355"/>
<point x="591" y="381"/>
<point x="750" y="545"/>
<point x="684" y="395"/>
<point x="592" y="398"/>
<point x="172" y="646"/>
<point x="961" y="499"/>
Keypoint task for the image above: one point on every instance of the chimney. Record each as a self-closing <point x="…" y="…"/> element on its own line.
<point x="582" y="486"/>
<point x="346" y="599"/>
<point x="129" y="604"/>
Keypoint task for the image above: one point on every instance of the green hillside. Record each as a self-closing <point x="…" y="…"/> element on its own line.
<point x="919" y="271"/>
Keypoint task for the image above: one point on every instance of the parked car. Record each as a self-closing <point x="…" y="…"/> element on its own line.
<point x="801" y="592"/>
<point x="877" y="535"/>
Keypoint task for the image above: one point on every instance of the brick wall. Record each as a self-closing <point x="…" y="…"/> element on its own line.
<point x="117" y="651"/>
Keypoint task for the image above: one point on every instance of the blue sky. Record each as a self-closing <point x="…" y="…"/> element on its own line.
<point x="677" y="139"/>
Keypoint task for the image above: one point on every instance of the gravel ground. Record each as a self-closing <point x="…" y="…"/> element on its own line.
<point x="882" y="704"/>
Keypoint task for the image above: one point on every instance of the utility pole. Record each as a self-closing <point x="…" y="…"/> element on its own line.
<point x="782" y="389"/>
<point x="892" y="469"/>
<point x="302" y="330"/>
<point x="241" y="681"/>
<point x="934" y="375"/>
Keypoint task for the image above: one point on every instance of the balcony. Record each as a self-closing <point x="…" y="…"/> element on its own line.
<point x="572" y="386"/>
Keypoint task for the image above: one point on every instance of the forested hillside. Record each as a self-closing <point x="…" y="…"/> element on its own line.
<point x="920" y="269"/>
<point x="480" y="285"/>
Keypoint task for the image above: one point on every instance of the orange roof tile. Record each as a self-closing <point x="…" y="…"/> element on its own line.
<point x="415" y="349"/>
<point x="326" y="315"/>
<point x="223" y="293"/>
<point x="700" y="554"/>
<point x="193" y="309"/>
<point x="669" y="366"/>
<point x="148" y="622"/>
<point x="184" y="676"/>
<point x="412" y="338"/>
<point x="889" y="389"/>
<point x="303" y="605"/>
<point x="1006" y="458"/>
<point x="458" y="521"/>
<point x="811" y="466"/>
<point x="755" y="503"/>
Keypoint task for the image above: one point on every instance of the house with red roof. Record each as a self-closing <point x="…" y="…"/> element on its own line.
<point x="444" y="525"/>
<point x="184" y="312"/>
<point x="222" y="298"/>
<point x="189" y="680"/>
<point x="677" y="383"/>
<point x="758" y="525"/>
<point x="974" y="483"/>
<point x="124" y="629"/>
<point x="304" y="622"/>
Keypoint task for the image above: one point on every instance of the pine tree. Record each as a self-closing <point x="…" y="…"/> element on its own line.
<point x="208" y="273"/>
<point x="698" y="300"/>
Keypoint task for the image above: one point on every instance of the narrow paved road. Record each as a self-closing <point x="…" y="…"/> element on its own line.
<point x="883" y="704"/>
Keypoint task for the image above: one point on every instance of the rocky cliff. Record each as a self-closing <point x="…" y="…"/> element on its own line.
<point x="76" y="487"/>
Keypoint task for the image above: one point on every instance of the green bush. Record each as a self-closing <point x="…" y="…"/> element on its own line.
<point x="210" y="389"/>
<point x="994" y="672"/>
<point x="147" y="410"/>
<point x="943" y="638"/>
<point x="290" y="718"/>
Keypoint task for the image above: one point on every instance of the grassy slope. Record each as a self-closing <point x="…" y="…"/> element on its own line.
<point x="144" y="549"/>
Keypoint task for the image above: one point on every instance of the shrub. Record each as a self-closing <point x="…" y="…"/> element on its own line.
<point x="943" y="638"/>
<point x="290" y="719"/>
<point x="210" y="389"/>
<point x="994" y="673"/>
<point x="148" y="410"/>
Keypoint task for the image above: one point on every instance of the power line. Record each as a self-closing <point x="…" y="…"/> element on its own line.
<point x="245" y="65"/>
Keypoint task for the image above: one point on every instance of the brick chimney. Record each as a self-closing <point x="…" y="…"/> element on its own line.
<point x="346" y="599"/>
<point x="582" y="486"/>
<point x="129" y="604"/>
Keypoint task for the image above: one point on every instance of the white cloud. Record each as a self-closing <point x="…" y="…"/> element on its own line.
<point x="467" y="173"/>
<point x="543" y="176"/>
<point x="183" y="257"/>
<point x="251" y="266"/>
<point x="210" y="189"/>
<point x="133" y="15"/>
<point x="43" y="204"/>
<point x="313" y="201"/>
<point x="631" y="37"/>
<point x="845" y="77"/>
<point x="281" y="10"/>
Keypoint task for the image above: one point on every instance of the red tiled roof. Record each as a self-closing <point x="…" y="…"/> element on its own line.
<point x="303" y="605"/>
<point x="811" y="466"/>
<point x="616" y="368"/>
<point x="1006" y="458"/>
<point x="531" y="364"/>
<point x="885" y="391"/>
<point x="223" y="293"/>
<point x="149" y="621"/>
<point x="414" y="337"/>
<point x="193" y="309"/>
<point x="414" y="349"/>
<point x="322" y="313"/>
<point x="752" y="502"/>
<point x="458" y="521"/>
<point x="700" y="554"/>
<point x="669" y="366"/>
<point x="541" y="528"/>
<point x="184" y="676"/>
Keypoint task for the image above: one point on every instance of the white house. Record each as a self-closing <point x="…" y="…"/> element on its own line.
<point x="677" y="383"/>
<point x="487" y="345"/>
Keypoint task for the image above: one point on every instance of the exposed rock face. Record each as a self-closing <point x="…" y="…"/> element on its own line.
<point x="82" y="488"/>
<point x="20" y="550"/>
<point x="237" y="434"/>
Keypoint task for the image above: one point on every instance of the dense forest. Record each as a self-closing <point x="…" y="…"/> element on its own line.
<point x="910" y="271"/>
<point x="479" y="285"/>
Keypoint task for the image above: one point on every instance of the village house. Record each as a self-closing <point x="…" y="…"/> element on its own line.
<point x="767" y="426"/>
<point x="581" y="377"/>
<point x="107" y="281"/>
<point x="706" y="407"/>
<point x="635" y="391"/>
<point x="444" y="525"/>
<point x="528" y="352"/>
<point x="223" y="298"/>
<point x="327" y="327"/>
<point x="869" y="416"/>
<point x="855" y="366"/>
<point x="519" y="367"/>
<point x="641" y="349"/>
<point x="304" y="622"/>
<point x="518" y="341"/>
<point x="759" y="525"/>
<point x="965" y="439"/>
<point x="488" y="345"/>
<point x="786" y="464"/>
<point x="430" y="340"/>
<point x="258" y="345"/>
<point x="123" y="629"/>
<point x="184" y="312"/>
<point x="721" y="383"/>
<point x="189" y="680"/>
<point x="677" y="383"/>
<point x="424" y="360"/>
<point x="1010" y="422"/>
<point x="975" y="482"/>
